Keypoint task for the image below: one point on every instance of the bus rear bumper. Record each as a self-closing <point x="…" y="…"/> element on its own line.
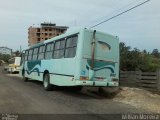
<point x="96" y="83"/>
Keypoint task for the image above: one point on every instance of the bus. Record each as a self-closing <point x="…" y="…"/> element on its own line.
<point x="80" y="58"/>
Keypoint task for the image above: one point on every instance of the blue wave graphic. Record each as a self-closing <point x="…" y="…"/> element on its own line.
<point x="34" y="70"/>
<point x="97" y="69"/>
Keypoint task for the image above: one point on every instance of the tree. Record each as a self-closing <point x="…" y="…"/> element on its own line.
<point x="135" y="59"/>
<point x="124" y="51"/>
<point x="156" y="53"/>
<point x="17" y="53"/>
<point x="5" y="57"/>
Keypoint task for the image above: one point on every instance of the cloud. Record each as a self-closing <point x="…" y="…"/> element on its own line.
<point x="135" y="27"/>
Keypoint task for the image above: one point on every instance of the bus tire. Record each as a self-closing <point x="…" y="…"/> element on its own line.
<point x="77" y="88"/>
<point x="25" y="79"/>
<point x="46" y="82"/>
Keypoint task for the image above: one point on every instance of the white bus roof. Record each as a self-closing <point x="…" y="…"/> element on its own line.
<point x="70" y="32"/>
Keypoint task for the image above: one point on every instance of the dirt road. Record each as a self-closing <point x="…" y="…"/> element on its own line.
<point x="17" y="96"/>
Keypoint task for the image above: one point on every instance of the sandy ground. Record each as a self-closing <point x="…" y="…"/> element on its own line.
<point x="139" y="98"/>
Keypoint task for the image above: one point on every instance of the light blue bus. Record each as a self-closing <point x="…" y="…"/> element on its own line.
<point x="80" y="58"/>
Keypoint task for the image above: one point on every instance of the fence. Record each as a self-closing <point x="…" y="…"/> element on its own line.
<point x="146" y="80"/>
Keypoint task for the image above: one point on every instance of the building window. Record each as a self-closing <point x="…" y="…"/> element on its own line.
<point x="38" y="39"/>
<point x="46" y="34"/>
<point x="38" y="34"/>
<point x="46" y="38"/>
<point x="38" y="29"/>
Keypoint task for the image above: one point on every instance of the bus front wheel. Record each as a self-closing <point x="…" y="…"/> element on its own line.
<point x="24" y="78"/>
<point x="46" y="82"/>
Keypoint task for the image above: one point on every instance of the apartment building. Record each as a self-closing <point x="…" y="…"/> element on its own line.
<point x="5" y="50"/>
<point x="44" y="32"/>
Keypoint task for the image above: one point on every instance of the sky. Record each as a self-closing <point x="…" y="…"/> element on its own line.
<point x="138" y="28"/>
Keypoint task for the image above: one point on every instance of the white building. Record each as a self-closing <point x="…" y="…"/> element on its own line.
<point x="5" y="50"/>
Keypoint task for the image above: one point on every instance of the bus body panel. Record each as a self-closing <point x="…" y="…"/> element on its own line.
<point x="61" y="71"/>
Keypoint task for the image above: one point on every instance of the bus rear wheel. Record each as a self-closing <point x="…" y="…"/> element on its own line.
<point x="77" y="88"/>
<point x="46" y="82"/>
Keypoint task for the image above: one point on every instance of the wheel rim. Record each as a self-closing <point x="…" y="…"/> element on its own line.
<point x="45" y="81"/>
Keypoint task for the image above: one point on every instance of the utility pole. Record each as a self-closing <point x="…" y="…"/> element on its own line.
<point x="20" y="49"/>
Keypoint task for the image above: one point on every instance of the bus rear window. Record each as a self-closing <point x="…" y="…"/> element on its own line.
<point x="104" y="46"/>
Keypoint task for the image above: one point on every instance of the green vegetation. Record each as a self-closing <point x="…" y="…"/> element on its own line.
<point x="4" y="57"/>
<point x="134" y="59"/>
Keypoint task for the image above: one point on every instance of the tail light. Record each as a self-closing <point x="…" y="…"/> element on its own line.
<point x="84" y="78"/>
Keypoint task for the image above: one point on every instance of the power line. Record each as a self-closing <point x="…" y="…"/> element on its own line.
<point x="120" y="13"/>
<point x="118" y="10"/>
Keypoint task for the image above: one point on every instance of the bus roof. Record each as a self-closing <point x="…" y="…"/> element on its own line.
<point x="67" y="34"/>
<point x="36" y="45"/>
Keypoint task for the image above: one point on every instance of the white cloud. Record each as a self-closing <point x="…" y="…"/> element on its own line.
<point x="135" y="27"/>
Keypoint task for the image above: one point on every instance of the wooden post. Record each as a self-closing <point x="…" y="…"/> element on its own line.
<point x="138" y="76"/>
<point x="158" y="80"/>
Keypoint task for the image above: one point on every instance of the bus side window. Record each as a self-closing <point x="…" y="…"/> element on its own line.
<point x="26" y="55"/>
<point x="59" y="49"/>
<point x="35" y="53"/>
<point x="71" y="46"/>
<point x="30" y="54"/>
<point x="49" y="51"/>
<point x="41" y="52"/>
